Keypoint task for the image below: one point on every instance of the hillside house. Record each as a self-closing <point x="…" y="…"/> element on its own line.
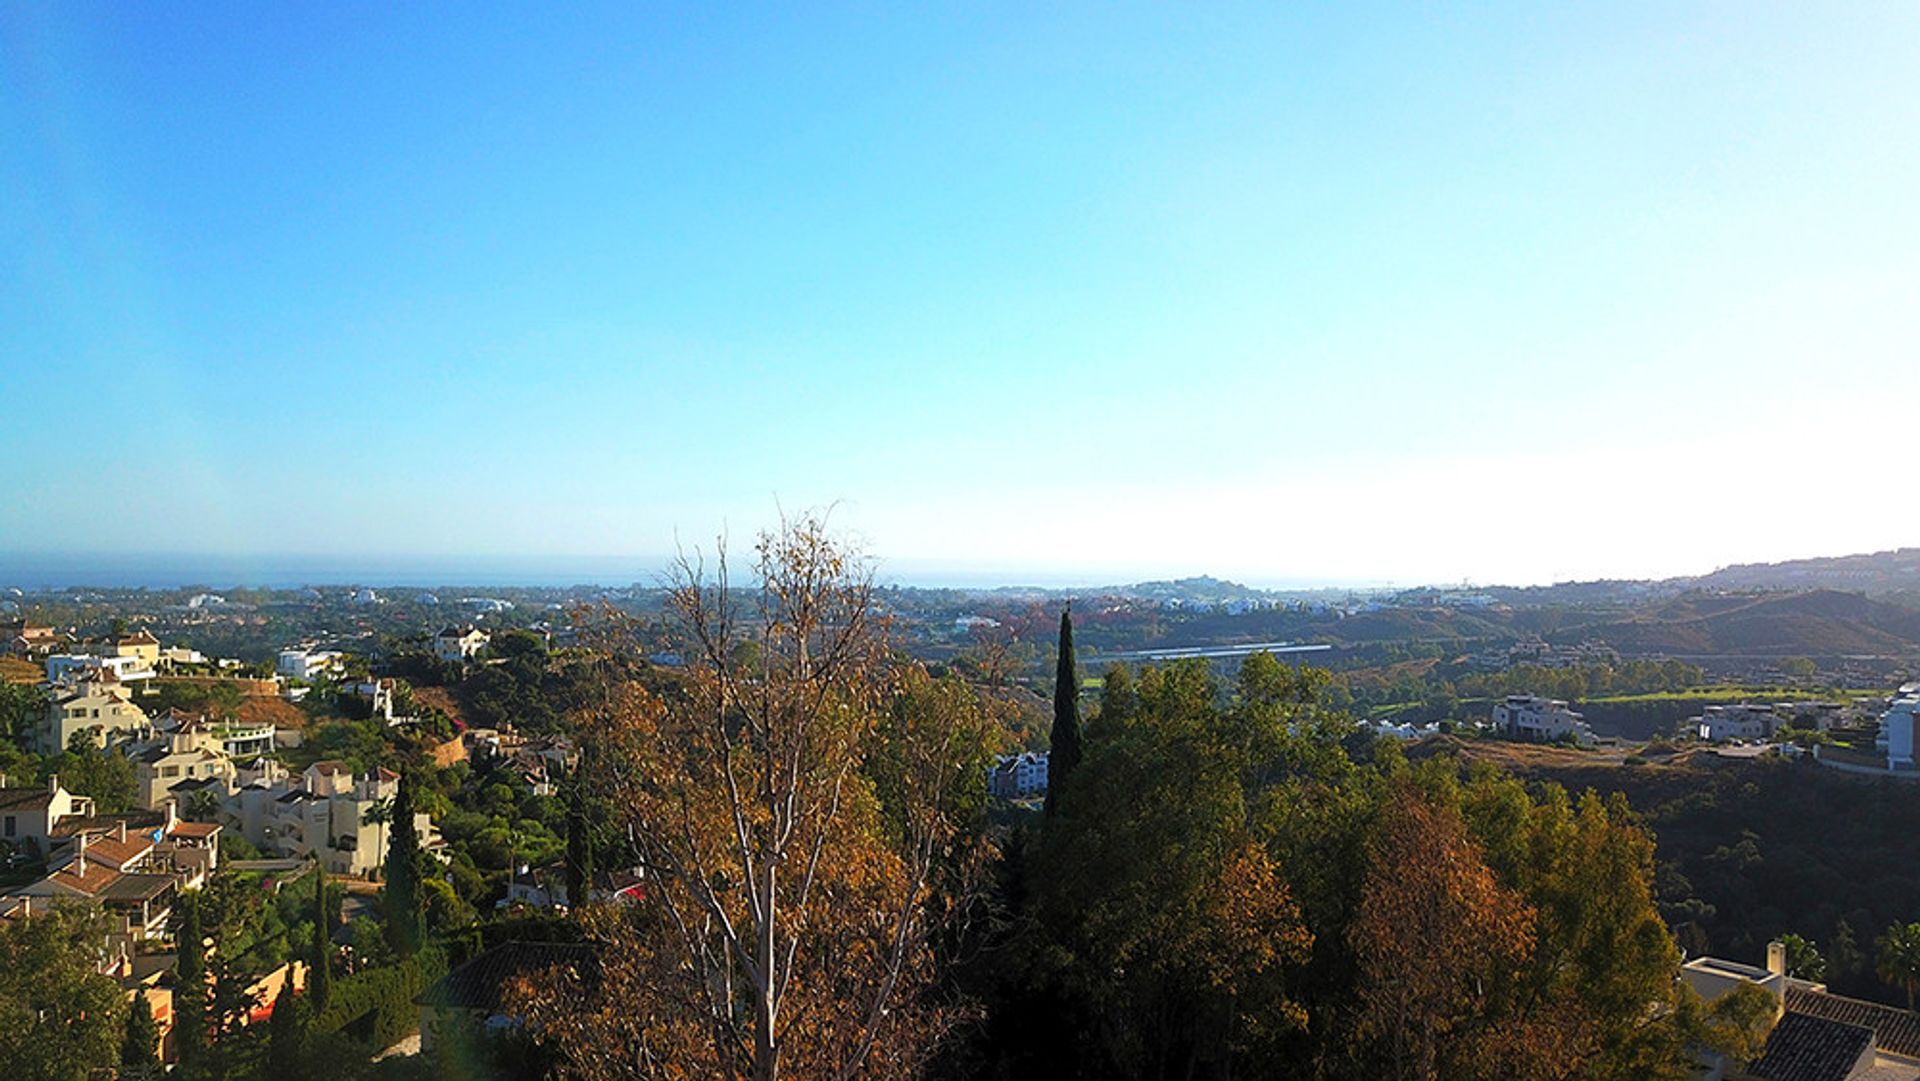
<point x="1540" y="720"/>
<point x="328" y="813"/>
<point x="73" y="667"/>
<point x="1817" y="1035"/>
<point x="1017" y="776"/>
<point x="101" y="705"/>
<point x="456" y="645"/>
<point x="1746" y="720"/>
<point x="29" y="814"/>
<point x="307" y="665"/>
<point x="190" y="753"/>
<point x="1896" y="727"/>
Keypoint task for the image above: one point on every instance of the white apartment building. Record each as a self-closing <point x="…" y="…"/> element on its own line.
<point x="101" y="705"/>
<point x="1543" y="720"/>
<point x="327" y="813"/>
<point x="190" y="755"/>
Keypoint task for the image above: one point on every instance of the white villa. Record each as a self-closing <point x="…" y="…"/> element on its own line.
<point x="1018" y="775"/>
<point x="1716" y="724"/>
<point x="457" y="644"/>
<point x="1543" y="720"/>
<point x="307" y="665"/>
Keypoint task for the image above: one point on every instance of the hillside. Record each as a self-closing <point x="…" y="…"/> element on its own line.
<point x="1875" y="573"/>
<point x="1816" y="623"/>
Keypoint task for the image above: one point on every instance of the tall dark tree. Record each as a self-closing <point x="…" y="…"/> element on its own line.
<point x="320" y="984"/>
<point x="1065" y="743"/>
<point x="190" y="985"/>
<point x="579" y="839"/>
<point x="140" y="1045"/>
<point x="404" y="927"/>
<point x="285" y="1031"/>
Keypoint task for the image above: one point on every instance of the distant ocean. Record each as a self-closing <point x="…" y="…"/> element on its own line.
<point x="121" y="570"/>
<point x="115" y="570"/>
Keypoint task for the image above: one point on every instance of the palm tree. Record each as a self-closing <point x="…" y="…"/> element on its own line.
<point x="380" y="814"/>
<point x="202" y="806"/>
<point x="1899" y="960"/>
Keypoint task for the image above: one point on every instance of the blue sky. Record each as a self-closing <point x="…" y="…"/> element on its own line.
<point x="1285" y="293"/>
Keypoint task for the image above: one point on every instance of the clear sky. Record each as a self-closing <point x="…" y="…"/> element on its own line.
<point x="1281" y="292"/>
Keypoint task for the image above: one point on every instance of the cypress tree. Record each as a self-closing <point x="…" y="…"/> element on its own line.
<point x="190" y="985"/>
<point x="140" y="1045"/>
<point x="1064" y="746"/>
<point x="320" y="984"/>
<point x="284" y="1031"/>
<point x="404" y="929"/>
<point x="579" y="840"/>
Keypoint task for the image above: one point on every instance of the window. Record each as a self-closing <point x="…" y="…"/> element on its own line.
<point x="13" y="826"/>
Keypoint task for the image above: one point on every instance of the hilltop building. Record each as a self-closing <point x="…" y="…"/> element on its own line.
<point x="1716" y="724"/>
<point x="30" y="814"/>
<point x="456" y="645"/>
<point x="101" y="705"/>
<point x="1896" y="727"/>
<point x="307" y="664"/>
<point x="1542" y="720"/>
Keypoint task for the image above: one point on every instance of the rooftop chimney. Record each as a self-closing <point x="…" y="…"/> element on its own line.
<point x="120" y="831"/>
<point x="80" y="854"/>
<point x="53" y="782"/>
<point x="1777" y="957"/>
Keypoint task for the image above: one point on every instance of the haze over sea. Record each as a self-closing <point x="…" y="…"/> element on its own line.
<point x="175" y="570"/>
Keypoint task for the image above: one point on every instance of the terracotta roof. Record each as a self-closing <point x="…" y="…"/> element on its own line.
<point x="1803" y="1047"/>
<point x="194" y="829"/>
<point x="25" y="799"/>
<point x="330" y="766"/>
<point x="116" y="852"/>
<point x="95" y="879"/>
<point x="1894" y="1029"/>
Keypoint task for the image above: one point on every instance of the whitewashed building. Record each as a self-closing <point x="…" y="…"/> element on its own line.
<point x="307" y="664"/>
<point x="1015" y="776"/>
<point x="1896" y="725"/>
<point x="1542" y="720"/>
<point x="1746" y="720"/>
<point x="457" y="644"/>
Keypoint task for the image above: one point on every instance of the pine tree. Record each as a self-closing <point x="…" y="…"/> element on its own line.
<point x="190" y="985"/>
<point x="1064" y="745"/>
<point x="579" y="841"/>
<point x="140" y="1047"/>
<point x="404" y="929"/>
<point x="320" y="985"/>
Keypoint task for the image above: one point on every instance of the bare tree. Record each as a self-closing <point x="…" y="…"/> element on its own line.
<point x="789" y="805"/>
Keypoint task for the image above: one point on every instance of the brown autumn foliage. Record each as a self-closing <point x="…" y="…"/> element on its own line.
<point x="1435" y="937"/>
<point x="795" y="808"/>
